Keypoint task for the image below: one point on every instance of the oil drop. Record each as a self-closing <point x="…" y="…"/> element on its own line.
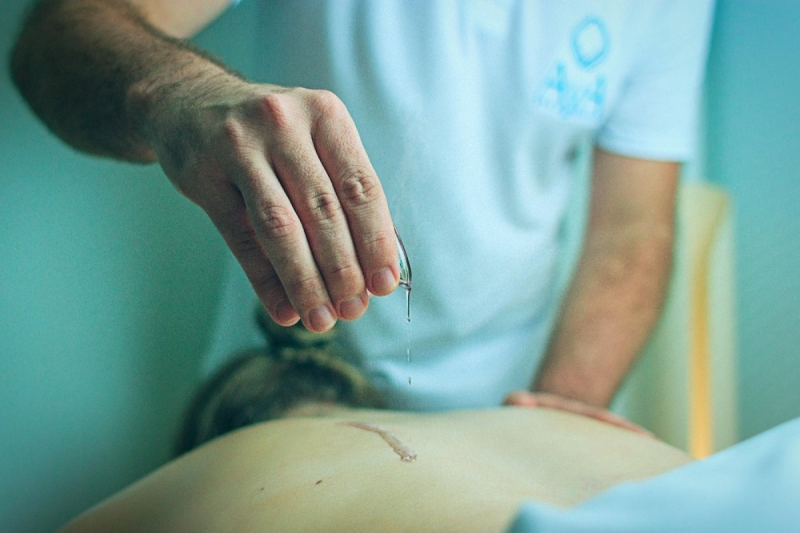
<point x="405" y="282"/>
<point x="407" y="455"/>
<point x="407" y="287"/>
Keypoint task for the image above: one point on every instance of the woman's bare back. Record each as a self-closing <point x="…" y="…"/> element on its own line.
<point x="353" y="470"/>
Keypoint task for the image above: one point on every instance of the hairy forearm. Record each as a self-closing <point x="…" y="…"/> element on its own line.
<point x="281" y="172"/>
<point x="611" y="307"/>
<point x="87" y="67"/>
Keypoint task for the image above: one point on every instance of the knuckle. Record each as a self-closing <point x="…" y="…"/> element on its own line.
<point x="243" y="241"/>
<point x="347" y="271"/>
<point x="344" y="279"/>
<point x="268" y="286"/>
<point x="275" y="109"/>
<point x="274" y="221"/>
<point x="324" y="206"/>
<point x="382" y="240"/>
<point x="359" y="186"/>
<point x="235" y="136"/>
<point x="304" y="289"/>
<point x="327" y="103"/>
<point x="233" y="133"/>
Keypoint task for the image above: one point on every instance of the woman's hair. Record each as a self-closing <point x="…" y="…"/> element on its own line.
<point x="296" y="368"/>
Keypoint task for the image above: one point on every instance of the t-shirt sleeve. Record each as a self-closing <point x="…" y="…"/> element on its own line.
<point x="656" y="115"/>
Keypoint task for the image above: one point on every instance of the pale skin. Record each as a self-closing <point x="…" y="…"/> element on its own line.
<point x="320" y="473"/>
<point x="283" y="175"/>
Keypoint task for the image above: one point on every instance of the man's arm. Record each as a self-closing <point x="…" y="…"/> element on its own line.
<point x="619" y="285"/>
<point x="281" y="172"/>
<point x="76" y="60"/>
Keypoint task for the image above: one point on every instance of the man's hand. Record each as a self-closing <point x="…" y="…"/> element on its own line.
<point x="523" y="398"/>
<point x="283" y="175"/>
<point x="281" y="172"/>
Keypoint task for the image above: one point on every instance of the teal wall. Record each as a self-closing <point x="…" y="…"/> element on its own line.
<point x="108" y="281"/>
<point x="108" y="278"/>
<point x="753" y="149"/>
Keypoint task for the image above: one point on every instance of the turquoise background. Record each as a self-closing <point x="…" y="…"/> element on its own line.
<point x="108" y="277"/>
<point x="752" y="148"/>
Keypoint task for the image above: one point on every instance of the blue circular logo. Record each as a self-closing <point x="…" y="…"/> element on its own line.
<point x="590" y="42"/>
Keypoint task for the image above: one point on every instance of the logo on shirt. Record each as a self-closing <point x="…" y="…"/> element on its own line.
<point x="589" y="42"/>
<point x="574" y="88"/>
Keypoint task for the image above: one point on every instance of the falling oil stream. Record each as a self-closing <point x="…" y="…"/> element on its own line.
<point x="407" y="287"/>
<point x="405" y="282"/>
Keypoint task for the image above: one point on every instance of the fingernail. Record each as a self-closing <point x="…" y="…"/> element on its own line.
<point x="383" y="281"/>
<point x="321" y="319"/>
<point x="285" y="313"/>
<point x="352" y="308"/>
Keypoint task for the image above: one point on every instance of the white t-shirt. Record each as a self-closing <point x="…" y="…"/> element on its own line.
<point x="472" y="113"/>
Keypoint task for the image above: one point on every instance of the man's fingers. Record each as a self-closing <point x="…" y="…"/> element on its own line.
<point x="320" y="211"/>
<point x="317" y="223"/>
<point x="283" y="238"/>
<point x="359" y="191"/>
<point x="234" y="225"/>
<point x="553" y="401"/>
<point x="521" y="399"/>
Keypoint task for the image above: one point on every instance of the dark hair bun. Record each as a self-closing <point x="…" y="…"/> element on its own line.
<point x="297" y="368"/>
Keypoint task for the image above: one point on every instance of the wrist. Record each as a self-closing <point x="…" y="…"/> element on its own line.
<point x="158" y="105"/>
